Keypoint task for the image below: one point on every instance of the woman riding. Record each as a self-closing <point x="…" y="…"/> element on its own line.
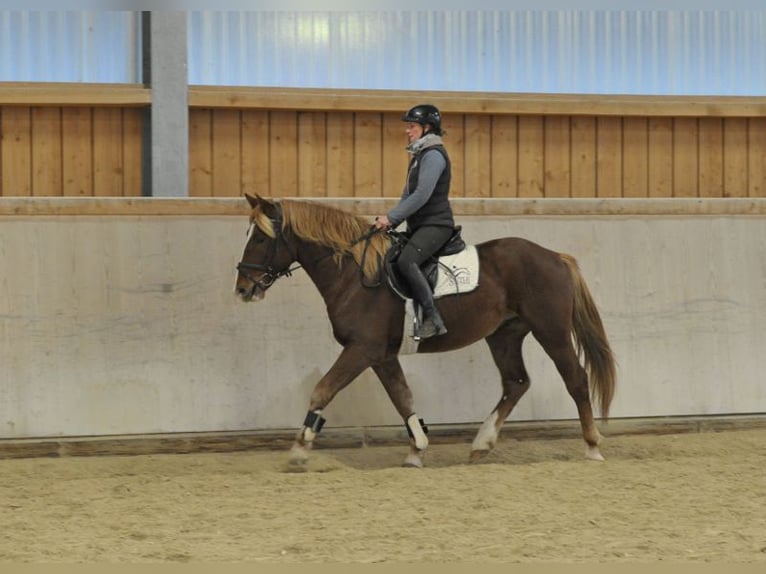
<point x="425" y="207"/>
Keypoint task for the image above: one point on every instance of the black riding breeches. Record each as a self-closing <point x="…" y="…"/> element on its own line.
<point x="423" y="243"/>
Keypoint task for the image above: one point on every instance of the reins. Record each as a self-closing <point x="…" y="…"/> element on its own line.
<point x="271" y="274"/>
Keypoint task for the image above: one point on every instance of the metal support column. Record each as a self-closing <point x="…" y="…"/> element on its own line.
<point x="166" y="129"/>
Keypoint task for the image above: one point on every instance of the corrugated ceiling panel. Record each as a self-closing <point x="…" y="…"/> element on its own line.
<point x="69" y="47"/>
<point x="643" y="52"/>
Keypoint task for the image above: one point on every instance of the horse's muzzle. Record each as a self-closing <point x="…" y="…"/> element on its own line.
<point x="248" y="290"/>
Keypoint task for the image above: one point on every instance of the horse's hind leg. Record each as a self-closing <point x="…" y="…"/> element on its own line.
<point x="391" y="375"/>
<point x="505" y="346"/>
<point x="559" y="347"/>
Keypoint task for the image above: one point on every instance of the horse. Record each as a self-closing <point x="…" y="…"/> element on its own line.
<point x="523" y="288"/>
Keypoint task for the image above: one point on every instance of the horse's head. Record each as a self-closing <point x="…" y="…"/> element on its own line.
<point x="267" y="255"/>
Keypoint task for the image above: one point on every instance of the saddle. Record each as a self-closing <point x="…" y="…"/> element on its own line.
<point x="430" y="268"/>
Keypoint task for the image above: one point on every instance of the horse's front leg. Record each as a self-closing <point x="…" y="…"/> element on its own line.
<point x="391" y="375"/>
<point x="348" y="366"/>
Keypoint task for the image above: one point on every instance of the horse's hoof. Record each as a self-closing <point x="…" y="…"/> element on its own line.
<point x="593" y="453"/>
<point x="413" y="461"/>
<point x="477" y="455"/>
<point x="298" y="456"/>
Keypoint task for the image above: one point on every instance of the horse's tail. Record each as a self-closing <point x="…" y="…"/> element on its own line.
<point x="590" y="339"/>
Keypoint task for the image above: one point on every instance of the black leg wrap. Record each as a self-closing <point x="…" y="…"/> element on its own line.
<point x="314" y="421"/>
<point x="423" y="426"/>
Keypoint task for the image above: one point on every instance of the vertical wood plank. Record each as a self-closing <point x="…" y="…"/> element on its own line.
<point x="227" y="153"/>
<point x="455" y="142"/>
<point x="583" y="156"/>
<point x="478" y="178"/>
<point x="368" y="144"/>
<point x="756" y="144"/>
<point x="47" y="168"/>
<point x="505" y="156"/>
<point x="557" y="158"/>
<point x="312" y="154"/>
<point x="77" y="151"/>
<point x="661" y="157"/>
<point x="395" y="156"/>
<point x="609" y="157"/>
<point x="710" y="157"/>
<point x="200" y="153"/>
<point x="16" y="158"/>
<point x="635" y="159"/>
<point x="132" y="122"/>
<point x="685" y="157"/>
<point x="735" y="173"/>
<point x="256" y="175"/>
<point x="107" y="152"/>
<point x="283" y="138"/>
<point x="340" y="154"/>
<point x="531" y="154"/>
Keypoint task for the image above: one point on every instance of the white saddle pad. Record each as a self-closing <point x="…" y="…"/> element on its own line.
<point x="458" y="273"/>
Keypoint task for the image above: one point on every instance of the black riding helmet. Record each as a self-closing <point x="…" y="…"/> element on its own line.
<point x="425" y="114"/>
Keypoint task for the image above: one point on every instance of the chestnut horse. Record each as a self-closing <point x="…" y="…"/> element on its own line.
<point x="523" y="288"/>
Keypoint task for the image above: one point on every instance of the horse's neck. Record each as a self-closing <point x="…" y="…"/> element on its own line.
<point x="319" y="263"/>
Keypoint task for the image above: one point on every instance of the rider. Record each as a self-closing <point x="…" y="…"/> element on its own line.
<point x="425" y="207"/>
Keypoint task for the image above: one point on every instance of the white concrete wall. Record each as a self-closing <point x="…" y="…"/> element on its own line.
<point x="116" y="325"/>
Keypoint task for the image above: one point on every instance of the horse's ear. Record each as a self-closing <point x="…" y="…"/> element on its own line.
<point x="269" y="208"/>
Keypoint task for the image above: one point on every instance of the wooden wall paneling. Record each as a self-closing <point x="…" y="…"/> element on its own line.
<point x="256" y="152"/>
<point x="227" y="153"/>
<point x="455" y="143"/>
<point x="201" y="152"/>
<point x="609" y="138"/>
<point x="368" y="154"/>
<point x="47" y="169"/>
<point x="557" y="156"/>
<point x="660" y="157"/>
<point x="635" y="157"/>
<point x="340" y="154"/>
<point x="77" y="151"/>
<point x="478" y="156"/>
<point x="16" y="158"/>
<point x="710" y="157"/>
<point x="312" y="154"/>
<point x="505" y="156"/>
<point x="283" y="138"/>
<point x="531" y="156"/>
<point x="132" y="122"/>
<point x="685" y="157"/>
<point x="583" y="138"/>
<point x="735" y="172"/>
<point x="395" y="156"/>
<point x="756" y="145"/>
<point x="107" y="152"/>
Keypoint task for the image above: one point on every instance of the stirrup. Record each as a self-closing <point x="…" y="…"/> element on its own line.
<point x="430" y="327"/>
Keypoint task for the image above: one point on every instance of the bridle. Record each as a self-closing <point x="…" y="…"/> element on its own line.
<point x="270" y="275"/>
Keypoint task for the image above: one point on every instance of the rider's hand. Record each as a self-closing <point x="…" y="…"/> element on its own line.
<point x="382" y="222"/>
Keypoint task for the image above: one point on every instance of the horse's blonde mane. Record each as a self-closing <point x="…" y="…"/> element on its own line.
<point x="330" y="227"/>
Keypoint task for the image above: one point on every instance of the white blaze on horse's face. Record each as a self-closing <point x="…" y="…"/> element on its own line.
<point x="251" y="283"/>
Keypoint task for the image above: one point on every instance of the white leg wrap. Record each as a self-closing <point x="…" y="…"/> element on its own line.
<point x="418" y="435"/>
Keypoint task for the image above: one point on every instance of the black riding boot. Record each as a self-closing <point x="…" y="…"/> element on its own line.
<point x="433" y="324"/>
